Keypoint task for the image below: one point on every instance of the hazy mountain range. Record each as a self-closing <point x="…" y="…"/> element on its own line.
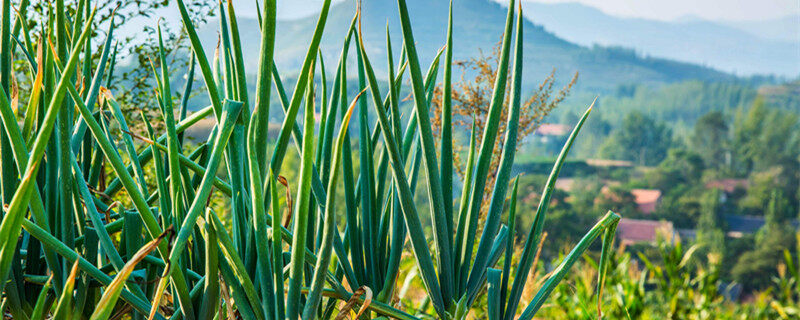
<point x="781" y="29"/>
<point x="742" y="47"/>
<point x="477" y="29"/>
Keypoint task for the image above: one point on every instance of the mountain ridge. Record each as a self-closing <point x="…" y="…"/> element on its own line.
<point x="732" y="48"/>
<point x="478" y="26"/>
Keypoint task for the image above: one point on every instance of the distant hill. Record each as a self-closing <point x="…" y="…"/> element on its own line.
<point x="781" y="29"/>
<point x="478" y="26"/>
<point x="786" y="96"/>
<point x="759" y="47"/>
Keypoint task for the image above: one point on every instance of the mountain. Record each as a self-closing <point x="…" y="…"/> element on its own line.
<point x="781" y="29"/>
<point x="478" y="26"/>
<point x="737" y="47"/>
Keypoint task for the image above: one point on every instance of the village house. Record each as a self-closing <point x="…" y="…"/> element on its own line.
<point x="632" y="231"/>
<point x="608" y="163"/>
<point x="552" y="130"/>
<point x="647" y="200"/>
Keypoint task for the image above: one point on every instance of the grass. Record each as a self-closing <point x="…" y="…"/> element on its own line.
<point x="64" y="193"/>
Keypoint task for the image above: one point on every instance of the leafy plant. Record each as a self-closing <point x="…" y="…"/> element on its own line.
<point x="469" y="103"/>
<point x="90" y="196"/>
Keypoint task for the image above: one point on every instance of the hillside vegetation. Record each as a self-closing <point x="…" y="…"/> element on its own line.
<point x="476" y="31"/>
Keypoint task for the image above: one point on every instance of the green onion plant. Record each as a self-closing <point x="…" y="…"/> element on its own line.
<point x="76" y="194"/>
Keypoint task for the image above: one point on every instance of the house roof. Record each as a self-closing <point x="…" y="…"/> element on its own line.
<point x="689" y="234"/>
<point x="646" y="199"/>
<point x="552" y="129"/>
<point x="739" y="225"/>
<point x="743" y="224"/>
<point x="638" y="230"/>
<point x="644" y="196"/>
<point x="728" y="185"/>
<point x="608" y="163"/>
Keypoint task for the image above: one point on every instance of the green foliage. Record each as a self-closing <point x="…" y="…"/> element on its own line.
<point x="639" y="139"/>
<point x="683" y="102"/>
<point x="710" y="225"/>
<point x="617" y="197"/>
<point x="672" y="282"/>
<point x="783" y="95"/>
<point x="680" y="167"/>
<point x="730" y="163"/>
<point x="572" y="167"/>
<point x="764" y="137"/>
<point x="710" y="138"/>
<point x="687" y="293"/>
<point x="762" y="186"/>
<point x="679" y="105"/>
<point x="626" y="297"/>
<point x="89" y="185"/>
<point x="756" y="267"/>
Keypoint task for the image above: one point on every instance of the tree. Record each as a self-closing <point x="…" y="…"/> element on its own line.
<point x="762" y="186"/>
<point x="594" y="132"/>
<point x="616" y="198"/>
<point x="755" y="268"/>
<point x="709" y="226"/>
<point x="711" y="139"/>
<point x="129" y="71"/>
<point x="765" y="137"/>
<point x="776" y="219"/>
<point x="471" y="100"/>
<point x="680" y="167"/>
<point x="640" y="139"/>
<point x="142" y="51"/>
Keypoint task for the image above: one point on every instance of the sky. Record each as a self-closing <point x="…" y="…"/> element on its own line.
<point x="715" y="10"/>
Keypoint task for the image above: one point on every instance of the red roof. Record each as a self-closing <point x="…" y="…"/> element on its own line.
<point x="646" y="199"/>
<point x="608" y="163"/>
<point x="635" y="230"/>
<point x="552" y="129"/>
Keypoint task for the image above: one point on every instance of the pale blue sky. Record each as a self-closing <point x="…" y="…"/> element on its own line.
<point x="718" y="10"/>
